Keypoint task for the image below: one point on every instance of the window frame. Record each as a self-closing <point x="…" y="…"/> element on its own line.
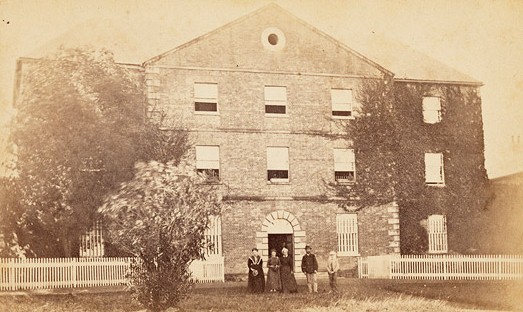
<point x="425" y="110"/>
<point x="437" y="234"/>
<point x="273" y="102"/>
<point x="441" y="168"/>
<point x="349" y="103"/>
<point x="347" y="242"/>
<point x="351" y="164"/>
<point x="212" y="177"/>
<point x="213" y="234"/>
<point x="205" y="100"/>
<point x="272" y="167"/>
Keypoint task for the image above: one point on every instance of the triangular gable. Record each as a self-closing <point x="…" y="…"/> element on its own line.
<point x="239" y="44"/>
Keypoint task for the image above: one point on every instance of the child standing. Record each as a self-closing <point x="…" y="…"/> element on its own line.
<point x="333" y="266"/>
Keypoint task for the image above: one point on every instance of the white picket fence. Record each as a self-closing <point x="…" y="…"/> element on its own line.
<point x="38" y="273"/>
<point x="208" y="270"/>
<point x="442" y="267"/>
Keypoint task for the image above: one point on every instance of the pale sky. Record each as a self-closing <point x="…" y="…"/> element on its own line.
<point x="483" y="39"/>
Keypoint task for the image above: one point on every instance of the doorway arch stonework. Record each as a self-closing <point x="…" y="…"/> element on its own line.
<point x="281" y="222"/>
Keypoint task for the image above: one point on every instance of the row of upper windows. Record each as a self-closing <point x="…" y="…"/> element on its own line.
<point x="206" y="101"/>
<point x="208" y="161"/>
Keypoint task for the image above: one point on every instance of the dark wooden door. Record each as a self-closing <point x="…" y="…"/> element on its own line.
<point x="278" y="241"/>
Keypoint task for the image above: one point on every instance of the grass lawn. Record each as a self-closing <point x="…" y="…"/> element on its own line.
<point x="355" y="295"/>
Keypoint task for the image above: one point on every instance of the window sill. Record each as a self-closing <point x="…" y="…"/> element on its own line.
<point x="345" y="182"/>
<point x="437" y="252"/>
<point x="278" y="182"/>
<point x="348" y="254"/>
<point x="343" y="117"/>
<point x="206" y="113"/>
<point x="435" y="184"/>
<point x="269" y="115"/>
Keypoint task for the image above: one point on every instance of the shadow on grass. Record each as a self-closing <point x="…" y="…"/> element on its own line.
<point x="355" y="295"/>
<point x="502" y="295"/>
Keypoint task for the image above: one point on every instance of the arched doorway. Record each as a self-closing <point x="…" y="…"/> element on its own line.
<point x="279" y="228"/>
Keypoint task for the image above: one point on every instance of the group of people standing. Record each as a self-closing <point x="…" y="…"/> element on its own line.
<point x="280" y="276"/>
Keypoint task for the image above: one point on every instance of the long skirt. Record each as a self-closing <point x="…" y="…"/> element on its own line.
<point x="273" y="279"/>
<point x="256" y="284"/>
<point x="288" y="282"/>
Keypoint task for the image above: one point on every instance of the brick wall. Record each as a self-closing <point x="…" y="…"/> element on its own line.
<point x="242" y="220"/>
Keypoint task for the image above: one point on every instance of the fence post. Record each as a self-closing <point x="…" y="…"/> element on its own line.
<point x="73" y="271"/>
<point x="11" y="269"/>
<point x="445" y="273"/>
<point x="359" y="267"/>
<point x="499" y="267"/>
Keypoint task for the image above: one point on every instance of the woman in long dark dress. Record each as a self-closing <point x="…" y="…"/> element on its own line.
<point x="273" y="276"/>
<point x="256" y="282"/>
<point x="288" y="282"/>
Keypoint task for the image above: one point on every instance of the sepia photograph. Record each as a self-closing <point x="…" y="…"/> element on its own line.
<point x="258" y="155"/>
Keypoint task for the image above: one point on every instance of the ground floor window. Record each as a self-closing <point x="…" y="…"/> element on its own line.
<point x="213" y="236"/>
<point x="437" y="231"/>
<point x="347" y="232"/>
<point x="91" y="242"/>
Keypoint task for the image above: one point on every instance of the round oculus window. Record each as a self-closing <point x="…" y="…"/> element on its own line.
<point x="273" y="39"/>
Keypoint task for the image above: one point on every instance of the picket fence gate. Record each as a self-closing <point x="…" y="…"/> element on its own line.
<point x="442" y="267"/>
<point x="39" y="273"/>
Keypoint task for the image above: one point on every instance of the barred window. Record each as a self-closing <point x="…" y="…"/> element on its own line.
<point x="437" y="231"/>
<point x="213" y="236"/>
<point x="347" y="232"/>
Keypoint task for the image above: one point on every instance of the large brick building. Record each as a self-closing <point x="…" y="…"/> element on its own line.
<point x="261" y="96"/>
<point x="266" y="99"/>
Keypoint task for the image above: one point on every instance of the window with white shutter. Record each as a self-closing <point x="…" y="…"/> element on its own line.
<point x="344" y="165"/>
<point x="341" y="103"/>
<point x="434" y="172"/>
<point x="347" y="232"/>
<point x="437" y="231"/>
<point x="208" y="161"/>
<point x="431" y="109"/>
<point x="275" y="100"/>
<point x="278" y="164"/>
<point x="206" y="97"/>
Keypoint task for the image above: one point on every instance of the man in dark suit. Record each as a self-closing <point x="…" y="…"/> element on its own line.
<point x="309" y="266"/>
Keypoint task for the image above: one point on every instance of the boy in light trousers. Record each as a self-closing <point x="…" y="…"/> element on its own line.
<point x="333" y="266"/>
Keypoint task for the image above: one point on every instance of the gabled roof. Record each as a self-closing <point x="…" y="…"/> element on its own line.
<point x="389" y="56"/>
<point x="514" y="179"/>
<point x="97" y="33"/>
<point x="271" y="6"/>
<point x="406" y="62"/>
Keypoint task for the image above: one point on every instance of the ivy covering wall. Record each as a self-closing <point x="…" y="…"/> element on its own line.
<point x="390" y="140"/>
